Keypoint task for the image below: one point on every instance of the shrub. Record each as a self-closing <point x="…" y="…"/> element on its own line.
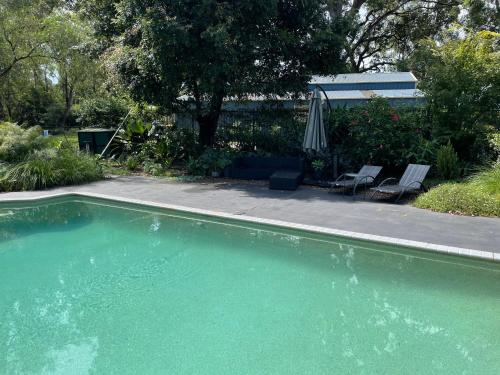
<point x="132" y="163"/>
<point x="494" y="141"/>
<point x="153" y="168"/>
<point x="39" y="106"/>
<point x="422" y="151"/>
<point x="130" y="139"/>
<point x="155" y="142"/>
<point x="76" y="168"/>
<point x="488" y="180"/>
<point x="49" y="168"/>
<point x="376" y="133"/>
<point x="318" y="164"/>
<point x="16" y="142"/>
<point x="169" y="143"/>
<point x="447" y="162"/>
<point x="104" y="112"/>
<point x="478" y="196"/>
<point x="212" y="160"/>
<point x="462" y="90"/>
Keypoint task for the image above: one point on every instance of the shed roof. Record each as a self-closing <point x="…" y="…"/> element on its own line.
<point x="365" y="78"/>
<point x="335" y="95"/>
<point x="367" y="94"/>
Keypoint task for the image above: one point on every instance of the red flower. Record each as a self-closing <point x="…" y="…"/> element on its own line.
<point x="395" y="117"/>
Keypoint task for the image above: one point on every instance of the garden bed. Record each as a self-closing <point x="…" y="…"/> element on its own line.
<point x="478" y="196"/>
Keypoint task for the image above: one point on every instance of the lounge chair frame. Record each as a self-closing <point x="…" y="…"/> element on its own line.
<point x="366" y="176"/>
<point x="414" y="173"/>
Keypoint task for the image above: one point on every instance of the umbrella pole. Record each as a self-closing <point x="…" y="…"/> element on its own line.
<point x="333" y="154"/>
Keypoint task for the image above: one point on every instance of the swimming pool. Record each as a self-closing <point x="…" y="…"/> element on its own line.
<point x="101" y="287"/>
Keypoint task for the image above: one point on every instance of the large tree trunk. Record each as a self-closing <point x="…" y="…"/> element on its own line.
<point x="208" y="122"/>
<point x="208" y="128"/>
<point x="68" y="101"/>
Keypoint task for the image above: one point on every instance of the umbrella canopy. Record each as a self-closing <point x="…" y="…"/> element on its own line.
<point x="315" y="137"/>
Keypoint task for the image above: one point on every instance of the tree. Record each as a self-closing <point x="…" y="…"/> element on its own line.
<point x="44" y="66"/>
<point x="483" y="14"/>
<point x="378" y="33"/>
<point x="191" y="55"/>
<point x="77" y="74"/>
<point x="462" y="85"/>
<point x="22" y="32"/>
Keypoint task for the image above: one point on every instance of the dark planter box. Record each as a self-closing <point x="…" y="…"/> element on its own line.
<point x="94" y="140"/>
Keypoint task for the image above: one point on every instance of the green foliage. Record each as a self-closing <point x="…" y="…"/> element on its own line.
<point x="462" y="83"/>
<point x="102" y="112"/>
<point x="318" y="164"/>
<point x="376" y="133"/>
<point x="168" y="143"/>
<point x="68" y="139"/>
<point x="17" y="142"/>
<point x="278" y="131"/>
<point x="482" y="15"/>
<point x="44" y="63"/>
<point x="31" y="162"/>
<point x="132" y="163"/>
<point x="211" y="160"/>
<point x="447" y="162"/>
<point x="156" y="143"/>
<point x="39" y="106"/>
<point x="377" y="32"/>
<point x="78" y="74"/>
<point x="51" y="167"/>
<point x="494" y="141"/>
<point x="479" y="196"/>
<point x="168" y="57"/>
<point x="488" y="180"/>
<point x="24" y="30"/>
<point x="153" y="168"/>
<point x="422" y="150"/>
<point x="130" y="139"/>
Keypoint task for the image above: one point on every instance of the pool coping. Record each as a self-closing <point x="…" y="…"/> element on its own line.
<point x="425" y="246"/>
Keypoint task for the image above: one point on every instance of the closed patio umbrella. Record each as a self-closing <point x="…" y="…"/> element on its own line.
<point x="315" y="137"/>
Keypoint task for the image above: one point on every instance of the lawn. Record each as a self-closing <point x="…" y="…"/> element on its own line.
<point x="477" y="196"/>
<point x="69" y="138"/>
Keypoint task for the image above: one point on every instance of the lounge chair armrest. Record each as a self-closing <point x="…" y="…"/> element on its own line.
<point x="360" y="180"/>
<point x="341" y="177"/>
<point x="387" y="180"/>
<point x="411" y="184"/>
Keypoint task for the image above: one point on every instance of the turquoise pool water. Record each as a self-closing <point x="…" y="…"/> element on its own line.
<point x="95" y="287"/>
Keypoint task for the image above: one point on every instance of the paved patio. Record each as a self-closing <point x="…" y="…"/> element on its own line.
<point x="307" y="205"/>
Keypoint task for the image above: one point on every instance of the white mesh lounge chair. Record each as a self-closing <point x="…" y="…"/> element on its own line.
<point x="410" y="182"/>
<point x="346" y="181"/>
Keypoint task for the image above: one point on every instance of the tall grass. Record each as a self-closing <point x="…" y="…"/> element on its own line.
<point x="488" y="180"/>
<point x="16" y="142"/>
<point x="478" y="196"/>
<point x="48" y="168"/>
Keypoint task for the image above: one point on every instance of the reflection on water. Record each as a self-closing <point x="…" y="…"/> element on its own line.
<point x="111" y="290"/>
<point x="51" y="217"/>
<point x="49" y="323"/>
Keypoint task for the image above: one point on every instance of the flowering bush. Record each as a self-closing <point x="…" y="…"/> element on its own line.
<point x="377" y="133"/>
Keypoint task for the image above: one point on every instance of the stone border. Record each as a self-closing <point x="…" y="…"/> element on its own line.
<point x="463" y="252"/>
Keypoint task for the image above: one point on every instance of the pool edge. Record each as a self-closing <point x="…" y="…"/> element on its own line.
<point x="424" y="246"/>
